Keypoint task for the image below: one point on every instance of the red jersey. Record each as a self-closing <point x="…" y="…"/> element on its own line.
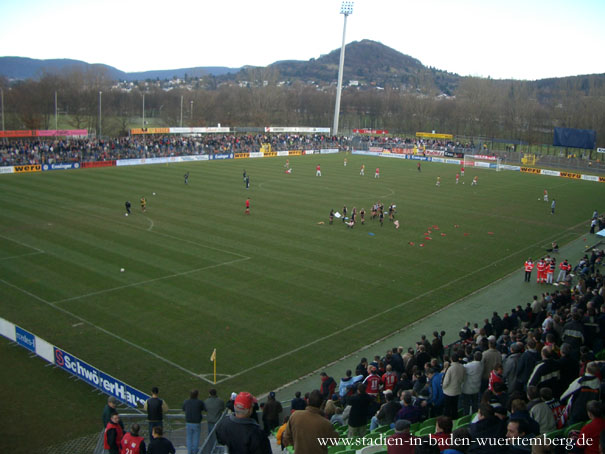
<point x="247" y="203"/>
<point x="318" y="168"/>
<point x="390" y="380"/>
<point x="377" y="170"/>
<point x="529" y="265"/>
<point x="373" y="383"/>
<point x="131" y="444"/>
<point x="541" y="266"/>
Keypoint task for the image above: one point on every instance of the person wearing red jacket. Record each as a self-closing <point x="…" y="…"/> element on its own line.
<point x="529" y="265"/>
<point x="113" y="435"/>
<point x="132" y="443"/>
<point x="541" y="267"/>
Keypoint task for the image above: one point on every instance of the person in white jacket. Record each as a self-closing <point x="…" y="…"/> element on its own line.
<point x="452" y="386"/>
<point x="469" y="399"/>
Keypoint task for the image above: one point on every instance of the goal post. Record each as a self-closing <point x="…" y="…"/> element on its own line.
<point x="483" y="162"/>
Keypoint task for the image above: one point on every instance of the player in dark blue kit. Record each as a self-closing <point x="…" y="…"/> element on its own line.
<point x="127" y="205"/>
<point x="187" y="178"/>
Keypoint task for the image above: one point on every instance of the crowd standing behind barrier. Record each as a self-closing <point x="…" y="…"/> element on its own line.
<point x="71" y="150"/>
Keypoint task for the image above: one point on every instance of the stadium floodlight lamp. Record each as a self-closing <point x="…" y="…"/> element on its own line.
<point x="346" y="8"/>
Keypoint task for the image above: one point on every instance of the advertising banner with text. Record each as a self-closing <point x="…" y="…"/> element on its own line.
<point x="99" y="379"/>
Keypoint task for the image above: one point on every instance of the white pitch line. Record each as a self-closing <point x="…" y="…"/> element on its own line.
<point x="386" y="311"/>
<point x="148" y="281"/>
<point x="155" y="232"/>
<point x="109" y="333"/>
<point x="150" y="224"/>
<point x="21" y="255"/>
<point x="22" y="244"/>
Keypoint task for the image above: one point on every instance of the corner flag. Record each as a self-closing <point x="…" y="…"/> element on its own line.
<point x="213" y="359"/>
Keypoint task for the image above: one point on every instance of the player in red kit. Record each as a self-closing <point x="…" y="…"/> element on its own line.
<point x="247" y="206"/>
<point x="377" y="174"/>
<point x="318" y="171"/>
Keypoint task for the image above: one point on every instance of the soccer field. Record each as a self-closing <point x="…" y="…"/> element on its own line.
<point x="278" y="293"/>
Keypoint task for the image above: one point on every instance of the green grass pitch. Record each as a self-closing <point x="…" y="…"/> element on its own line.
<point x="277" y="293"/>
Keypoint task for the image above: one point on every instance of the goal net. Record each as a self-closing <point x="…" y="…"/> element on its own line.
<point x="482" y="162"/>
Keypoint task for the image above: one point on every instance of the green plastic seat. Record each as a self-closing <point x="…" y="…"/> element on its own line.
<point x="425" y="431"/>
<point x="576" y="426"/>
<point x="560" y="433"/>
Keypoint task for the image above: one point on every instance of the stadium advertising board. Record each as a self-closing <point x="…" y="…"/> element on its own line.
<point x="28" y="168"/>
<point x="25" y="339"/>
<point x="241" y="155"/>
<point x="24" y="133"/>
<point x="256" y="154"/>
<point x="402" y="150"/>
<point x="432" y="135"/>
<point x="328" y="151"/>
<point x="269" y="154"/>
<point x="531" y="170"/>
<point x="590" y="178"/>
<point x="73" y="165"/>
<point x="295" y="153"/>
<point x="434" y="153"/>
<point x="551" y="173"/>
<point x="222" y="156"/>
<point x="575" y="176"/>
<point x="200" y="157"/>
<point x="376" y="149"/>
<point x="600" y="150"/>
<point x="99" y="379"/>
<point x="45" y="133"/>
<point x="138" y="131"/>
<point x="279" y="129"/>
<point x="392" y="155"/>
<point x="7" y="169"/>
<point x="62" y="133"/>
<point x="370" y="131"/>
<point x="92" y="164"/>
<point x="211" y="130"/>
<point x="452" y="161"/>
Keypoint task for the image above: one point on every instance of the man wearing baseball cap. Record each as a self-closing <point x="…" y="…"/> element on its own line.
<point x="239" y="432"/>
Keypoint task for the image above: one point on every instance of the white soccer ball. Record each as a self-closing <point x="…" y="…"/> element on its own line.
<point x="125" y="214"/>
<point x="154" y="193"/>
<point x="463" y="182"/>
<point x="122" y="270"/>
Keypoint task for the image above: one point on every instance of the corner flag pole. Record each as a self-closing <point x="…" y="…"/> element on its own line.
<point x="213" y="359"/>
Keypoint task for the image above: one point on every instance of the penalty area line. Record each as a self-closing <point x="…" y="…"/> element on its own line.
<point x="109" y="333"/>
<point x="38" y="251"/>
<point x="397" y="306"/>
<point x="148" y="281"/>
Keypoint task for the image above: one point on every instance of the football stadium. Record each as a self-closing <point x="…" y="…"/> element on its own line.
<point x="228" y="271"/>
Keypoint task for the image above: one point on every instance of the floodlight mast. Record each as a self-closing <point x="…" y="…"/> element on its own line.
<point x="346" y="9"/>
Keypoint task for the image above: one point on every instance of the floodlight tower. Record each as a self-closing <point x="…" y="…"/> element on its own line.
<point x="346" y="9"/>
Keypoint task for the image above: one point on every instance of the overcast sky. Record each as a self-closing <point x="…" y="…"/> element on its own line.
<point x="521" y="39"/>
